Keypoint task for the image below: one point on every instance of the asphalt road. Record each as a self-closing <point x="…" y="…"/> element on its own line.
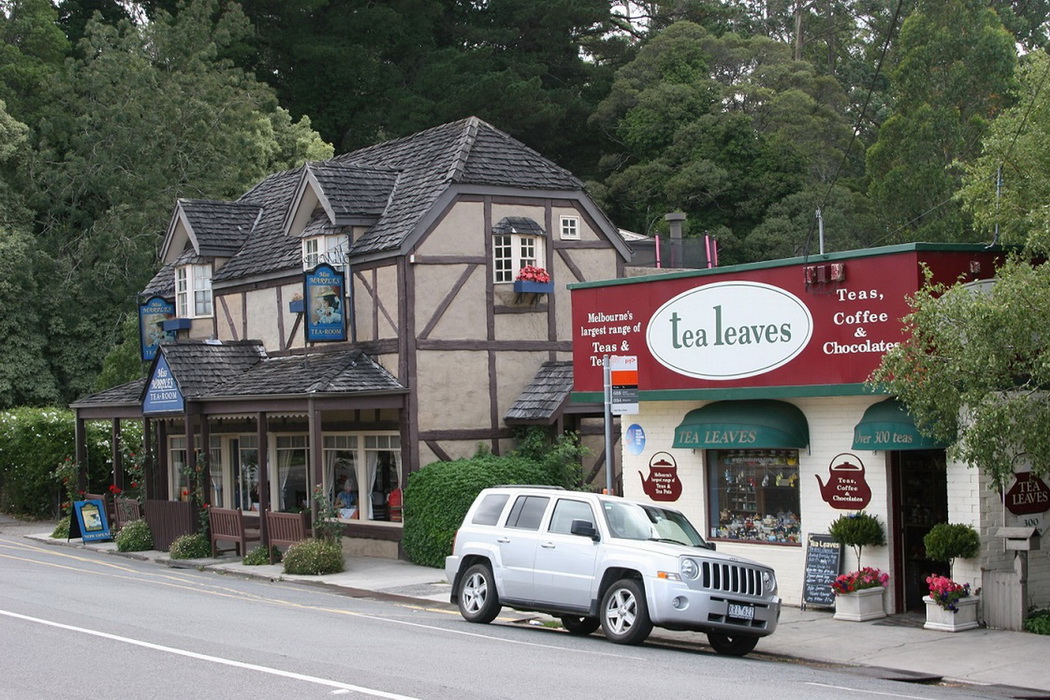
<point x="84" y="624"/>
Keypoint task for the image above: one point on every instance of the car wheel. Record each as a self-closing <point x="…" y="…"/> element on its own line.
<point x="625" y="617"/>
<point x="478" y="600"/>
<point x="580" y="625"/>
<point x="732" y="644"/>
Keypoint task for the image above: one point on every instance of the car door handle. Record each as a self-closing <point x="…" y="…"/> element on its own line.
<point x="503" y="540"/>
<point x="548" y="545"/>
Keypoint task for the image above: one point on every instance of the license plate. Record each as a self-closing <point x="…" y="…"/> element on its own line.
<point x="742" y="612"/>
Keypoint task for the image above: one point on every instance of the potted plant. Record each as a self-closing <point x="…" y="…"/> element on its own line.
<point x="859" y="594"/>
<point x="949" y="606"/>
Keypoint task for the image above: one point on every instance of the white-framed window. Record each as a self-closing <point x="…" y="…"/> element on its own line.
<point x="512" y="251"/>
<point x="325" y="249"/>
<point x="570" y="228"/>
<point x="311" y="252"/>
<point x="363" y="472"/>
<point x="193" y="291"/>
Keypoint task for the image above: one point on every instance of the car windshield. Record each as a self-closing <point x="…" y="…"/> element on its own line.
<point x="633" y="521"/>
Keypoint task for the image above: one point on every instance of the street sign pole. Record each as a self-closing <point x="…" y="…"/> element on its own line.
<point x="607" y="374"/>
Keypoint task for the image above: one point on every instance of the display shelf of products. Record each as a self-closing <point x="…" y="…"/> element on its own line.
<point x="757" y="495"/>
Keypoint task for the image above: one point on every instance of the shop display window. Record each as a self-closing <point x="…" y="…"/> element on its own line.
<point x="754" y="495"/>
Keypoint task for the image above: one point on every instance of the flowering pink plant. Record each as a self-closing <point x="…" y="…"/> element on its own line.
<point x="859" y="580"/>
<point x="947" y="592"/>
<point x="531" y="273"/>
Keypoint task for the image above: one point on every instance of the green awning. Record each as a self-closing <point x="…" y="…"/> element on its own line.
<point x="756" y="424"/>
<point x="887" y="426"/>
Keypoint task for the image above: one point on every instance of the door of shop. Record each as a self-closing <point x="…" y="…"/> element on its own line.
<point x="920" y="502"/>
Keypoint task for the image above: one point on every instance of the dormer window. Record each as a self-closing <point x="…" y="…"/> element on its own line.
<point x="193" y="291"/>
<point x="325" y="249"/>
<point x="516" y="243"/>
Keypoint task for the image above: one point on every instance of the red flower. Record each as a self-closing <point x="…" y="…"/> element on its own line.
<point x="531" y="273"/>
<point x="134" y="484"/>
<point x="114" y="489"/>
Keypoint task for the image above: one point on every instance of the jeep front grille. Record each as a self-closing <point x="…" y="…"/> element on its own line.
<point x="730" y="578"/>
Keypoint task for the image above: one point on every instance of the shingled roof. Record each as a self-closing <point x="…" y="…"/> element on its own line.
<point x="352" y="190"/>
<point x="467" y="152"/>
<point x="542" y="399"/>
<point x="162" y="284"/>
<point x="397" y="183"/>
<point x="200" y="365"/>
<point x="220" y="228"/>
<point x="267" y="249"/>
<point x="128" y="394"/>
<point x="318" y="373"/>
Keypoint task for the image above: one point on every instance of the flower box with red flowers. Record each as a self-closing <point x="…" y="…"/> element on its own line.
<point x="533" y="280"/>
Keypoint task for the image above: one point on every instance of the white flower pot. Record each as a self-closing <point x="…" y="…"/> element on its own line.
<point x="937" y="618"/>
<point x="860" y="606"/>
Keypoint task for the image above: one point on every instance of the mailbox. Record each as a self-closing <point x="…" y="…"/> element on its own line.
<point x="1020" y="539"/>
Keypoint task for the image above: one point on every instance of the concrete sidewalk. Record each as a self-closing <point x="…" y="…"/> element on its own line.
<point x="1006" y="664"/>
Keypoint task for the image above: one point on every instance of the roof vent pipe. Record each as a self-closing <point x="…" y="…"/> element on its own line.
<point x="674" y="220"/>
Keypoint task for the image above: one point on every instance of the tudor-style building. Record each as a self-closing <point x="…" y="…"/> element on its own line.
<point x="359" y="318"/>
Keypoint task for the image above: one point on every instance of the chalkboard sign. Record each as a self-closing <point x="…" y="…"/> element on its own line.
<point x="823" y="559"/>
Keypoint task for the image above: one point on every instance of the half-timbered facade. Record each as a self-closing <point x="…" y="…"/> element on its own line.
<point x="350" y="321"/>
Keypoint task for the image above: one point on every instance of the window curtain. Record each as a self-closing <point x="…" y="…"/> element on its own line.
<point x="285" y="462"/>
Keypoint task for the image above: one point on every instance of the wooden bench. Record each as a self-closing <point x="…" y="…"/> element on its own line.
<point x="126" y="510"/>
<point x="227" y="525"/>
<point x="285" y="529"/>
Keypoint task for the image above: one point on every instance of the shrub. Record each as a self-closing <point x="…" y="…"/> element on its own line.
<point x="439" y="495"/>
<point x="948" y="542"/>
<point x="259" y="556"/>
<point x="858" y="530"/>
<point x="61" y="531"/>
<point x="313" y="557"/>
<point x="1038" y="622"/>
<point x="192" y="546"/>
<point x="560" y="458"/>
<point x="134" y="537"/>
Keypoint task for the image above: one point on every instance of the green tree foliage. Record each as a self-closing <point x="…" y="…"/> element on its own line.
<point x="123" y="363"/>
<point x="954" y="74"/>
<point x="1016" y="154"/>
<point x="721" y="128"/>
<point x="974" y="369"/>
<point x="25" y="376"/>
<point x="366" y="71"/>
<point x="146" y="114"/>
<point x="32" y="49"/>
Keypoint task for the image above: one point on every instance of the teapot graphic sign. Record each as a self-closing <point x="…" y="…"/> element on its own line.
<point x="846" y="488"/>
<point x="662" y="484"/>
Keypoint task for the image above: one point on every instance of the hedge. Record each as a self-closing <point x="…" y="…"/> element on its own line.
<point x="439" y="495"/>
<point x="34" y="442"/>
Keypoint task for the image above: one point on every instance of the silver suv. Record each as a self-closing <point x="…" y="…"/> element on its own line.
<point x="595" y="560"/>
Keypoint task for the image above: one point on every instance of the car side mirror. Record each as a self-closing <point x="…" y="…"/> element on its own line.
<point x="584" y="528"/>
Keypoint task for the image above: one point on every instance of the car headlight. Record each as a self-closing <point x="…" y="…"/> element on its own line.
<point x="769" y="582"/>
<point x="689" y="568"/>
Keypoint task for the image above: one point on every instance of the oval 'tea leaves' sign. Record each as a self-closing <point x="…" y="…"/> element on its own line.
<point x="729" y="330"/>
